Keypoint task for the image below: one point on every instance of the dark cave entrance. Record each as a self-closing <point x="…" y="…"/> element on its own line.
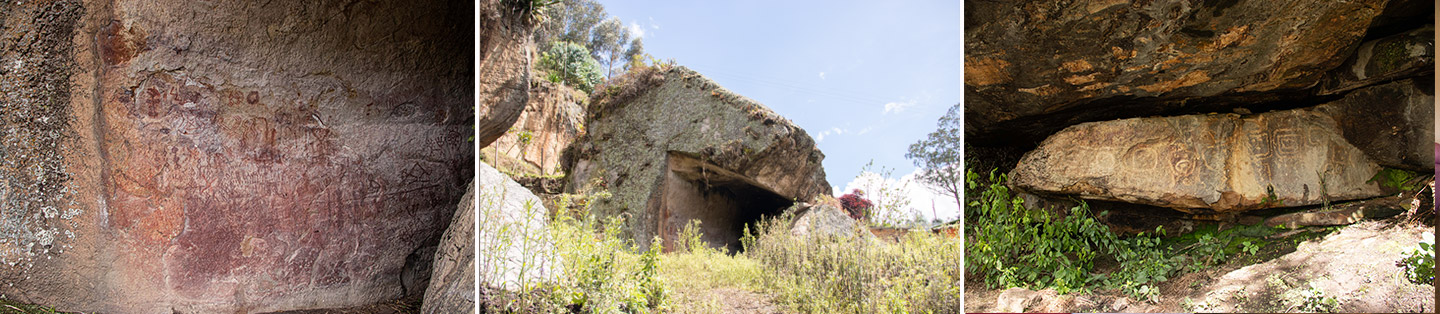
<point x="723" y="201"/>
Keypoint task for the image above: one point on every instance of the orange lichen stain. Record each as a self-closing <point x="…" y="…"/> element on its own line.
<point x="1100" y="5"/>
<point x="1081" y="80"/>
<point x="982" y="71"/>
<point x="1231" y="36"/>
<point x="1121" y="54"/>
<point x="1190" y="79"/>
<point x="1043" y="90"/>
<point x="1092" y="87"/>
<point x="1076" y="66"/>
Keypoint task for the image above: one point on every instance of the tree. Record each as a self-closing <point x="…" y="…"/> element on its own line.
<point x="569" y="21"/>
<point x="939" y="156"/>
<point x="607" y="43"/>
<point x="570" y="63"/>
<point x="635" y="53"/>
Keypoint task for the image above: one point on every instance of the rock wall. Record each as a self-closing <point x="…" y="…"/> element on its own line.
<point x="244" y="157"/>
<point x="553" y="119"/>
<point x="452" y="283"/>
<point x="505" y="54"/>
<point x="1034" y="67"/>
<point x="662" y="131"/>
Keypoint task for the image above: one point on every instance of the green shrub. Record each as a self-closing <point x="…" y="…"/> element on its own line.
<point x="1012" y="246"/>
<point x="571" y="64"/>
<point x="1419" y="263"/>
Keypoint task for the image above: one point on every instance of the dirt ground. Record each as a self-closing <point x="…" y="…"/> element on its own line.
<point x="1347" y="269"/>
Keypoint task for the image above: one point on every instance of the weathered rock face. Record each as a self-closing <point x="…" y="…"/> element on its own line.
<point x="672" y="146"/>
<point x="229" y="157"/>
<point x="452" y="284"/>
<point x="505" y="54"/>
<point x="1396" y="56"/>
<point x="1222" y="162"/>
<point x="553" y="120"/>
<point x="1390" y="122"/>
<point x="1034" y="67"/>
<point x="824" y="219"/>
<point x="515" y="247"/>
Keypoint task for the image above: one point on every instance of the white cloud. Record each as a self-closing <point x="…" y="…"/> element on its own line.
<point x="652" y="23"/>
<point x="820" y="137"/>
<point x="920" y="198"/>
<point x="897" y="106"/>
<point x="863" y="131"/>
<point x="822" y="75"/>
<point x="636" y="30"/>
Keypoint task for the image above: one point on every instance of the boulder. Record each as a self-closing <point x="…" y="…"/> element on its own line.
<point x="1396" y="56"/>
<point x="1341" y="214"/>
<point x="551" y="120"/>
<point x="824" y="219"/>
<point x="1390" y="122"/>
<point x="505" y="54"/>
<point x="515" y="245"/>
<point x="1215" y="162"/>
<point x="1034" y="67"/>
<point x="452" y="282"/>
<point x="221" y="156"/>
<point x="671" y="146"/>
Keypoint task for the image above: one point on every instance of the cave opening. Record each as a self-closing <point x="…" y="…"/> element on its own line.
<point x="724" y="202"/>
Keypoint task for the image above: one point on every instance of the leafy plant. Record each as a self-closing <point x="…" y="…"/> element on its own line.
<point x="573" y="65"/>
<point x="1314" y="300"/>
<point x="1419" y="264"/>
<point x="1250" y="247"/>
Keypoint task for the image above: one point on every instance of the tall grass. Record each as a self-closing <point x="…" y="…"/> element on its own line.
<point x="856" y="274"/>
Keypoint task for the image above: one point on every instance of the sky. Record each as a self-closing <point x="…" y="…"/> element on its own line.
<point x="864" y="78"/>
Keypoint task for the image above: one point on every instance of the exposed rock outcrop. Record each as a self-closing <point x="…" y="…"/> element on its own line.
<point x="515" y="246"/>
<point x="235" y="157"/>
<point x="1034" y="67"/>
<point x="1390" y="122"/>
<point x="1220" y="162"/>
<point x="552" y="120"/>
<point x="1396" y="56"/>
<point x="824" y="219"/>
<point x="452" y="283"/>
<point x="671" y="146"/>
<point x="505" y="55"/>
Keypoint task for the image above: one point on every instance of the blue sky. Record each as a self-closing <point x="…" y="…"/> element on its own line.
<point x="865" y="78"/>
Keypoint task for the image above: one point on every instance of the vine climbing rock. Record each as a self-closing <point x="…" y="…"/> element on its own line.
<point x="231" y="156"/>
<point x="1033" y="67"/>
<point x="672" y="146"/>
<point x="1205" y="163"/>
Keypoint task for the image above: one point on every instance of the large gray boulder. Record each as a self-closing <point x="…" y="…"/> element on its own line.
<point x="1034" y="67"/>
<point x="452" y="281"/>
<point x="1392" y="122"/>
<point x="672" y="146"/>
<point x="1396" y="56"/>
<point x="1215" y="162"/>
<point x="515" y="244"/>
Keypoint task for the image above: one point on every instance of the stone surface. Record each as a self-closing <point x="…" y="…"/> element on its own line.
<point x="1034" y="67"/>
<point x="505" y="54"/>
<point x="1390" y="122"/>
<point x="1341" y="214"/>
<point x="1396" y="56"/>
<point x="452" y="282"/>
<point x="515" y="245"/>
<point x="237" y="157"/>
<point x="553" y="119"/>
<point x="824" y="219"/>
<point x="1217" y="162"/>
<point x="671" y="146"/>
